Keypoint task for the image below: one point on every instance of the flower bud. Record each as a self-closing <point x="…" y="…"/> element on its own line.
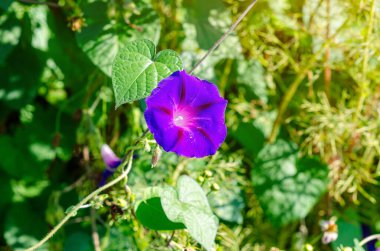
<point x="109" y="157"/>
<point x="215" y="187"/>
<point x="200" y="179"/>
<point x="307" y="247"/>
<point x="157" y="152"/>
<point x="208" y="173"/>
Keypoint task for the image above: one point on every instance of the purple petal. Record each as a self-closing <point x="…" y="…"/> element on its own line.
<point x="109" y="157"/>
<point x="166" y="93"/>
<point x="186" y="115"/>
<point x="158" y="119"/>
<point x="105" y="175"/>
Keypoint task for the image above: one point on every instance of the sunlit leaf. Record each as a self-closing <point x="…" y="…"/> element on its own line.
<point x="10" y="32"/>
<point x="186" y="206"/>
<point x="189" y="205"/>
<point x="137" y="70"/>
<point x="228" y="204"/>
<point x="287" y="187"/>
<point x="24" y="225"/>
<point x="150" y="213"/>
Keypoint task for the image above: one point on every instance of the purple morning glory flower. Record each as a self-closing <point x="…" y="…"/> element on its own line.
<point x="111" y="161"/>
<point x="186" y="115"/>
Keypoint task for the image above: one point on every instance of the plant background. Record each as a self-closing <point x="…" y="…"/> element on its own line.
<point x="302" y="81"/>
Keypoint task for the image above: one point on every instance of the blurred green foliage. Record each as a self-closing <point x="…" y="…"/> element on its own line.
<point x="303" y="118"/>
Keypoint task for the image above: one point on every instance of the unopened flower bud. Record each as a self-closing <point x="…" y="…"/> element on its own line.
<point x="215" y="187"/>
<point x="109" y="157"/>
<point x="201" y="179"/>
<point x="121" y="202"/>
<point x="157" y="152"/>
<point x="308" y="247"/>
<point x="208" y="173"/>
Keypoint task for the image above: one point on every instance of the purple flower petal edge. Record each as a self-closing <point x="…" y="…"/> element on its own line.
<point x="109" y="157"/>
<point x="186" y="115"/>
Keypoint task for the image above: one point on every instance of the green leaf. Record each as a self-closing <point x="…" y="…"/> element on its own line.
<point x="377" y="244"/>
<point x="24" y="226"/>
<point x="24" y="189"/>
<point x="122" y="239"/>
<point x="228" y="204"/>
<point x="190" y="192"/>
<point x="150" y="213"/>
<point x="39" y="27"/>
<point x="4" y="4"/>
<point x="251" y="74"/>
<point x="103" y="36"/>
<point x="202" y="226"/>
<point x="33" y="147"/>
<point x="286" y="187"/>
<point x="171" y="205"/>
<point x="204" y="23"/>
<point x="10" y="32"/>
<point x="6" y="192"/>
<point x="357" y="246"/>
<point x="189" y="205"/>
<point x="185" y="206"/>
<point x="198" y="14"/>
<point x="252" y="135"/>
<point x="20" y="77"/>
<point x="78" y="241"/>
<point x="137" y="70"/>
<point x="349" y="227"/>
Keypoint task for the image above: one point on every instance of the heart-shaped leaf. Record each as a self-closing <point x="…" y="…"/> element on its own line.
<point x="186" y="205"/>
<point x="137" y="70"/>
<point x="151" y="214"/>
<point x="286" y="187"/>
<point x="189" y="205"/>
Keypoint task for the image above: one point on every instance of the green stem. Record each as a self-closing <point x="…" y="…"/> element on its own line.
<point x="178" y="170"/>
<point x="74" y="211"/>
<point x="225" y="35"/>
<point x="363" y="82"/>
<point x="295" y="84"/>
<point x="288" y="97"/>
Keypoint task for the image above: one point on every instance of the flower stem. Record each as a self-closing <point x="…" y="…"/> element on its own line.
<point x="73" y="212"/>
<point x="95" y="234"/>
<point x="369" y="238"/>
<point x="225" y="35"/>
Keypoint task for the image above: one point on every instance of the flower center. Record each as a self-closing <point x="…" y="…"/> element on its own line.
<point x="179" y="120"/>
<point x="182" y="118"/>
